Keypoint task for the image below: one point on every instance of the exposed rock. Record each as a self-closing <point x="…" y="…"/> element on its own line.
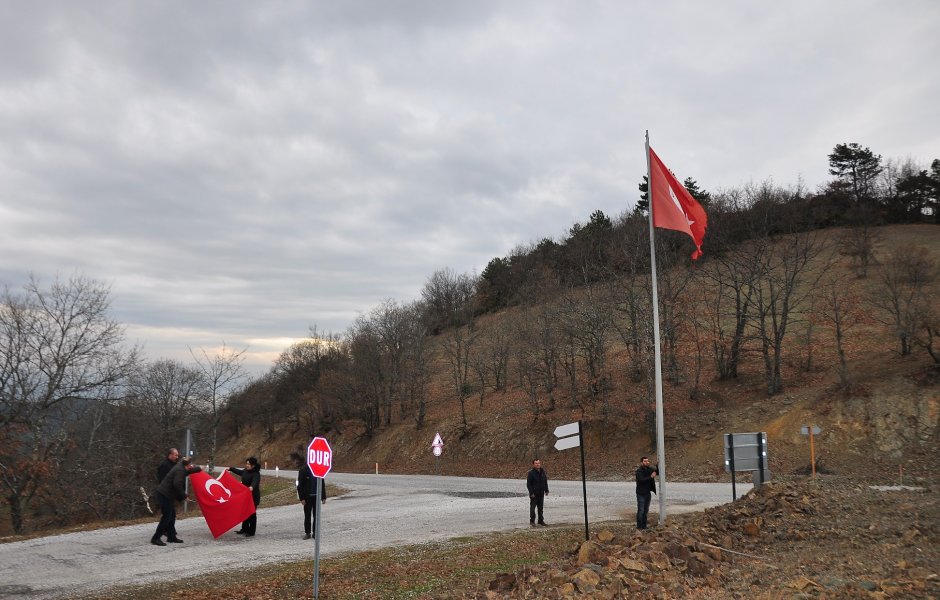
<point x="731" y="549"/>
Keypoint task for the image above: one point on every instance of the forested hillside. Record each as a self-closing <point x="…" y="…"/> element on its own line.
<point x="807" y="307"/>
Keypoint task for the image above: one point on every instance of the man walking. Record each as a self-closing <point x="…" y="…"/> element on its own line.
<point x="645" y="488"/>
<point x="171" y="490"/>
<point x="537" y="482"/>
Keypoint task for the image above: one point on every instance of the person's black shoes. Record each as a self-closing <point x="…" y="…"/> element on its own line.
<point x="241" y="532"/>
<point x="306" y="536"/>
<point x="542" y="524"/>
<point x="157" y="542"/>
<point x="174" y="540"/>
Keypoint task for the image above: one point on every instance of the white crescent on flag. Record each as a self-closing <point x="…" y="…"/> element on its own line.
<point x="210" y="483"/>
<point x="675" y="201"/>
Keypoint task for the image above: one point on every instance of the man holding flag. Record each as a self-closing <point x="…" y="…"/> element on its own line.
<point x="170" y="491"/>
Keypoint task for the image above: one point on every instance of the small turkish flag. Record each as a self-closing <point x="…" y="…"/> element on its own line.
<point x="673" y="206"/>
<point x="225" y="502"/>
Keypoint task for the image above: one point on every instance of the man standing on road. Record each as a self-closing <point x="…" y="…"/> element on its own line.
<point x="307" y="493"/>
<point x="645" y="488"/>
<point x="537" y="482"/>
<point x="170" y="491"/>
<point x="172" y="457"/>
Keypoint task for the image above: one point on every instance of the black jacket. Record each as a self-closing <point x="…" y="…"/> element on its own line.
<point x="250" y="478"/>
<point x="164" y="468"/>
<point x="173" y="485"/>
<point x="644" y="479"/>
<point x="306" y="485"/>
<point x="537" y="481"/>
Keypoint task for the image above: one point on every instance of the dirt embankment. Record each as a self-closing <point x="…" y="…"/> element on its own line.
<point x="802" y="539"/>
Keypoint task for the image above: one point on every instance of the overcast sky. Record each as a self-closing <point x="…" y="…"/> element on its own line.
<point x="240" y="171"/>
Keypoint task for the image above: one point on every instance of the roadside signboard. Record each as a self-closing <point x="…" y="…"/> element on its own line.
<point x="746" y="452"/>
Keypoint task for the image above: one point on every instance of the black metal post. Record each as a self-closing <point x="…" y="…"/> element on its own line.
<point x="760" y="459"/>
<point x="587" y="535"/>
<point x="734" y="490"/>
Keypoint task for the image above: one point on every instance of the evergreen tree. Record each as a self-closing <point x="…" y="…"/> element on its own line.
<point x="856" y="169"/>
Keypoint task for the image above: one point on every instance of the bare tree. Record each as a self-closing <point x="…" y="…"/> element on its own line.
<point x="906" y="296"/>
<point x="787" y="280"/>
<point x="59" y="352"/>
<point x="222" y="372"/>
<point x="170" y="394"/>
<point x="841" y="307"/>
<point x="492" y="360"/>
<point x="588" y="322"/>
<point x="451" y="301"/>
<point x="860" y="244"/>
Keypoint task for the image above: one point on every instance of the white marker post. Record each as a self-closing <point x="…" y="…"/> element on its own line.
<point x="437" y="447"/>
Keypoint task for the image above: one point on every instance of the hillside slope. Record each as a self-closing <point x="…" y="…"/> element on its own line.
<point x="883" y="430"/>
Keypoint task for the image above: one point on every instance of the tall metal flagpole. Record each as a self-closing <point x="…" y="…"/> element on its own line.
<point x="660" y="434"/>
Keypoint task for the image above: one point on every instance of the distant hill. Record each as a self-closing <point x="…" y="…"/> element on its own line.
<point x="878" y="414"/>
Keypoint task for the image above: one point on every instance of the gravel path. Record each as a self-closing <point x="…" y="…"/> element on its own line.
<point x="379" y="511"/>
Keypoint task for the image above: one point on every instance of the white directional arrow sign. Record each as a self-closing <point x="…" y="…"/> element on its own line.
<point x="563" y="431"/>
<point x="568" y="442"/>
<point x="566" y="430"/>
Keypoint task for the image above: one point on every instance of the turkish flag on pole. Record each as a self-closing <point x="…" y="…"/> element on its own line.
<point x="673" y="206"/>
<point x="225" y="502"/>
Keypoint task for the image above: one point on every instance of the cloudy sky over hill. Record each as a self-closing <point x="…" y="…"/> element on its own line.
<point x="240" y="171"/>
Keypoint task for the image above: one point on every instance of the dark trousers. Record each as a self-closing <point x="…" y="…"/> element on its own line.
<point x="250" y="524"/>
<point x="642" y="508"/>
<point x="167" y="524"/>
<point x="536" y="501"/>
<point x="310" y="515"/>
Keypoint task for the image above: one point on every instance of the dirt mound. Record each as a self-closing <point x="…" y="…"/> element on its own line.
<point x="802" y="539"/>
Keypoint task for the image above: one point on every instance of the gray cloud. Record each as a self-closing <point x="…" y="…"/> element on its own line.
<point x="239" y="172"/>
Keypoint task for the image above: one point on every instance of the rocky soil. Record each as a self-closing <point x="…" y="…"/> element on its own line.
<point x="827" y="538"/>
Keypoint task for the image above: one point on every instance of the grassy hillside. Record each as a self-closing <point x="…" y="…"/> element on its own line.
<point x="883" y="428"/>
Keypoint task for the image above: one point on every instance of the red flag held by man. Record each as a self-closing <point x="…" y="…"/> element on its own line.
<point x="225" y="502"/>
<point x="673" y="206"/>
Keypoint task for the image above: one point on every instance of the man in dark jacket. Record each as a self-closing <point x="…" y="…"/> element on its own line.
<point x="251" y="478"/>
<point x="308" y="495"/>
<point x="170" y="491"/>
<point x="645" y="488"/>
<point x="172" y="457"/>
<point x="537" y="482"/>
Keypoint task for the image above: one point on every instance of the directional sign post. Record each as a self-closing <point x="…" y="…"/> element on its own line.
<point x="320" y="462"/>
<point x="811" y="430"/>
<point x="570" y="436"/>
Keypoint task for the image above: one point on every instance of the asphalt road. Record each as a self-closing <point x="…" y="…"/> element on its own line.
<point x="379" y="511"/>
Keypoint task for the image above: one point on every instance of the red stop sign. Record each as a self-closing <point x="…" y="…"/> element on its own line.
<point x="319" y="457"/>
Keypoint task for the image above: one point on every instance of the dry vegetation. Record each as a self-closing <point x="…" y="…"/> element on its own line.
<point x="834" y="538"/>
<point x="827" y="538"/>
<point x="888" y="412"/>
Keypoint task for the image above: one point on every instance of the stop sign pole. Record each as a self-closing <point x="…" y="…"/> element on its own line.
<point x="319" y="461"/>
